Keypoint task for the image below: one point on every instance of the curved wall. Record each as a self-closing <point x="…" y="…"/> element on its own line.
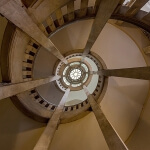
<point x="83" y="134"/>
<point x="122" y="106"/>
<point x="17" y="131"/>
<point x="139" y="139"/>
<point x="124" y="98"/>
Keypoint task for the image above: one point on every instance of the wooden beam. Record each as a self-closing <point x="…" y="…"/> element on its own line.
<point x="119" y="6"/>
<point x="96" y="6"/>
<point x="8" y="90"/>
<point x="112" y="139"/>
<point x="70" y="10"/>
<point x="83" y="8"/>
<point x="136" y="73"/>
<point x="133" y="10"/>
<point x="50" y="23"/>
<point x="13" y="11"/>
<point x="59" y="16"/>
<point x="106" y="8"/>
<point x="47" y="136"/>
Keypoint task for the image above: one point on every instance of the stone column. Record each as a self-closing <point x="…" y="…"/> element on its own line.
<point x="14" y="11"/>
<point x="7" y="90"/>
<point x="113" y="140"/>
<point x="136" y="73"/>
<point x="47" y="136"/>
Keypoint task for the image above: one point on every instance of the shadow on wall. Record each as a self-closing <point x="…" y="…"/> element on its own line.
<point x="141" y="132"/>
<point x="17" y="132"/>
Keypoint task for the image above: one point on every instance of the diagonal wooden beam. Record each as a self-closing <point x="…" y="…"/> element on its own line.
<point x="13" y="89"/>
<point x="138" y="4"/>
<point x="136" y="73"/>
<point x="14" y="11"/>
<point x="112" y="139"/>
<point x="47" y="136"/>
<point x="106" y="8"/>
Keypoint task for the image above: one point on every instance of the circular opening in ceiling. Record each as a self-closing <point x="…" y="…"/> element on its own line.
<point x="75" y="74"/>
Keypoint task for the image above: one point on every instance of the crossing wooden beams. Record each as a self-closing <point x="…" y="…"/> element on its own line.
<point x="13" y="11"/>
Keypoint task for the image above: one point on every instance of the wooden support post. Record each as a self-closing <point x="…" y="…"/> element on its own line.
<point x="133" y="10"/>
<point x="136" y="73"/>
<point x="112" y="139"/>
<point x="47" y="136"/>
<point x="13" y="89"/>
<point x="106" y="8"/>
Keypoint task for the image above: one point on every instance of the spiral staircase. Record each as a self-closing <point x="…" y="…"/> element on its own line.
<point x="75" y="74"/>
